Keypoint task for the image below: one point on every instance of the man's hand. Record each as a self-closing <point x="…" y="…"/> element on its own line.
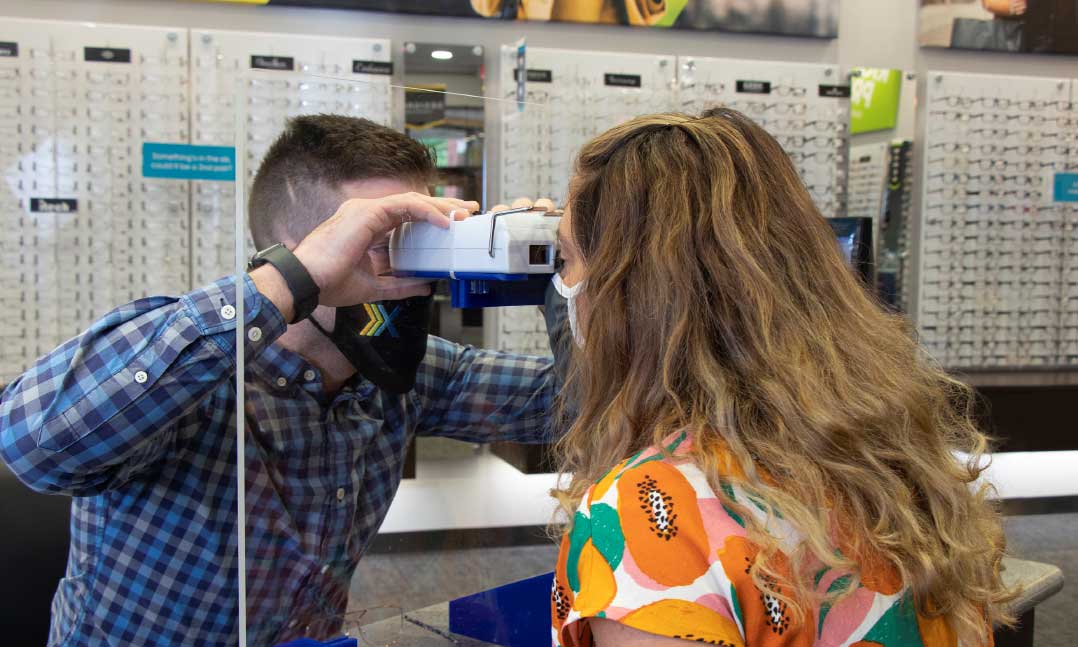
<point x="348" y="254"/>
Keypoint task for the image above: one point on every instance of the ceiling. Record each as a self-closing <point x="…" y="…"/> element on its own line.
<point x="464" y="60"/>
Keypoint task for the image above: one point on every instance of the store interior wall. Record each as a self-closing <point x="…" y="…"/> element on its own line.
<point x="874" y="33"/>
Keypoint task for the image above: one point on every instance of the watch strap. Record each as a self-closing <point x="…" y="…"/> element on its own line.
<point x="303" y="288"/>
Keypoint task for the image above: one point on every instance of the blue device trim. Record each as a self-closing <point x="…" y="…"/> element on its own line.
<point x="470" y="276"/>
<point x="492" y="293"/>
<point x="342" y="641"/>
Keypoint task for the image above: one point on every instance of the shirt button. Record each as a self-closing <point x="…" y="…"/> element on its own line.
<point x="228" y="312"/>
<point x="308" y="375"/>
<point x="282" y="382"/>
<point x="141" y="377"/>
<point x="340" y="494"/>
<point x="254" y="334"/>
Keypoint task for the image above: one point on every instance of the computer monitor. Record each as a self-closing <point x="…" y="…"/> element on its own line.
<point x="854" y="237"/>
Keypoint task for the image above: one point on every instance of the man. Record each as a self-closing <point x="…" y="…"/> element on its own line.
<point x="135" y="418"/>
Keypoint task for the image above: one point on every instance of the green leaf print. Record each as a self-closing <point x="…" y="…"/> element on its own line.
<point x="657" y="457"/>
<point x="898" y="626"/>
<point x="825" y="608"/>
<point x="606" y="534"/>
<point x="737" y="605"/>
<point x="578" y="536"/>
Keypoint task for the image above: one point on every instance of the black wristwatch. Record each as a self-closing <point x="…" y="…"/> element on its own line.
<point x="304" y="289"/>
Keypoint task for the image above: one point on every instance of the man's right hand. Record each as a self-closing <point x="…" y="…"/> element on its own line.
<point x="348" y="254"/>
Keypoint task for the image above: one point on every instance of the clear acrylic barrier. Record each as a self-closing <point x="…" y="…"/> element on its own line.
<point x="323" y="472"/>
<point x="466" y="516"/>
<point x="89" y="230"/>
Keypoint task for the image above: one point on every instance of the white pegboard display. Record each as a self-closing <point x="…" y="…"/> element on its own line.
<point x="998" y="277"/>
<point x="805" y="106"/>
<point x="276" y="76"/>
<point x="571" y="96"/>
<point x="87" y="230"/>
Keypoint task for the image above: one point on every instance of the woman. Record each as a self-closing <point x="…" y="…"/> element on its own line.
<point x="761" y="455"/>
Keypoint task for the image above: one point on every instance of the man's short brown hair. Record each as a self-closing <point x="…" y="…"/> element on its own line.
<point x="298" y="184"/>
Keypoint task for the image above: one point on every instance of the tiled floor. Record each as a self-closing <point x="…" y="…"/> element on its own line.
<point x="418" y="579"/>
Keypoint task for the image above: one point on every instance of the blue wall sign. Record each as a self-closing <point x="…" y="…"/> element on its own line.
<point x="1065" y="187"/>
<point x="188" y="162"/>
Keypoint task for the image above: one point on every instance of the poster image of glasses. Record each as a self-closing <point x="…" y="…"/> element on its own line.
<point x="1018" y="26"/>
<point x="811" y="18"/>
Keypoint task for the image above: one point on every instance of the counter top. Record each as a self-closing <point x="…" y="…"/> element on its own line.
<point x="429" y="627"/>
<point x="1039" y="581"/>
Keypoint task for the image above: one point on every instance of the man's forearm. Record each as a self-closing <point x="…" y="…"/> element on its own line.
<point x="269" y="282"/>
<point x="103" y="398"/>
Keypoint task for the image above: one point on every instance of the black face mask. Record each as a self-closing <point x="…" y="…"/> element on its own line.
<point x="385" y="340"/>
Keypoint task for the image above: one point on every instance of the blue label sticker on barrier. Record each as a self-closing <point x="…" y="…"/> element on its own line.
<point x="188" y="162"/>
<point x="1065" y="187"/>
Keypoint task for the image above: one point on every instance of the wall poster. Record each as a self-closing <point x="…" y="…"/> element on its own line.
<point x="811" y="18"/>
<point x="1019" y="26"/>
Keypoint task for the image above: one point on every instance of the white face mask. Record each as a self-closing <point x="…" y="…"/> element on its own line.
<point x="570" y="294"/>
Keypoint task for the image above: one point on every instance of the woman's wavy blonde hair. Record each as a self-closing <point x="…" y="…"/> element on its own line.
<point x="728" y="311"/>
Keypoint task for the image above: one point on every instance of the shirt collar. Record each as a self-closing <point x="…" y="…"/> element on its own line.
<point x="276" y="362"/>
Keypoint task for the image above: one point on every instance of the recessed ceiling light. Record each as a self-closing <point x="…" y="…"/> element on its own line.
<point x="441" y="54"/>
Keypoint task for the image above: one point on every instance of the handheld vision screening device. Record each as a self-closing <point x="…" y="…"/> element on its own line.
<point x="500" y="258"/>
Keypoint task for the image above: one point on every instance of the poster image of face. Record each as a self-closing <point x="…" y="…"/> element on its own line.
<point x="1020" y="26"/>
<point x="806" y="18"/>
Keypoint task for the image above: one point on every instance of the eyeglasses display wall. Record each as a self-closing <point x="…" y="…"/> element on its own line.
<point x="805" y="106"/>
<point x="998" y="257"/>
<point x="571" y="96"/>
<point x="574" y="95"/>
<point x="278" y="76"/>
<point x="82" y="231"/>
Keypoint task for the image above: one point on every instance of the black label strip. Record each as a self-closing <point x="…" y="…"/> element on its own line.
<point x="285" y="63"/>
<point x="9" y="50"/>
<point x="106" y="55"/>
<point x="622" y="80"/>
<point x="754" y="87"/>
<point x="536" y="76"/>
<point x="372" y="67"/>
<point x="835" y="91"/>
<point x="54" y="205"/>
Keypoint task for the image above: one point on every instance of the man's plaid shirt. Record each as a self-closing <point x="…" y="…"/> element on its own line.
<point x="135" y="419"/>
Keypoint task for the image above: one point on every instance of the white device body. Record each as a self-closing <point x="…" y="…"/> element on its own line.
<point x="522" y="243"/>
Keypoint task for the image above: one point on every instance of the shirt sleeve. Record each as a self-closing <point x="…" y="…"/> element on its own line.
<point x="484" y="396"/>
<point x="104" y="404"/>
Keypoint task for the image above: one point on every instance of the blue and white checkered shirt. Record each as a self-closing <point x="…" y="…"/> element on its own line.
<point x="135" y="418"/>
